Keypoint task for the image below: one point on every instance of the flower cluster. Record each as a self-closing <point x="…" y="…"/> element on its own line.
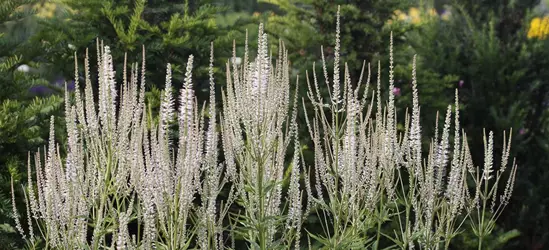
<point x="418" y="16"/>
<point x="539" y="28"/>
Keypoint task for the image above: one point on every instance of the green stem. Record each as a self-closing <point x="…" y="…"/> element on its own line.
<point x="379" y="221"/>
<point x="481" y="228"/>
<point x="336" y="162"/>
<point x="261" y="228"/>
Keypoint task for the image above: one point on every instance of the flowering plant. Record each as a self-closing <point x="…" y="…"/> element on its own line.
<point x="539" y="28"/>
<point x="123" y="173"/>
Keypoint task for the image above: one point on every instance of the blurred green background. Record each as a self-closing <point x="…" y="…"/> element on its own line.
<point x="496" y="52"/>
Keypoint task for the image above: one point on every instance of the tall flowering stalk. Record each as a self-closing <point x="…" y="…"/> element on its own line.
<point x="210" y="231"/>
<point x="488" y="202"/>
<point x="354" y="159"/>
<point x="255" y="139"/>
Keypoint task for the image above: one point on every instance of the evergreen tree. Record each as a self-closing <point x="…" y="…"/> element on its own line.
<point x="16" y="24"/>
<point x="22" y="116"/>
<point x="169" y="30"/>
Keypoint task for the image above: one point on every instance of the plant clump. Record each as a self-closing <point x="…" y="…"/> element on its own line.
<point x="125" y="183"/>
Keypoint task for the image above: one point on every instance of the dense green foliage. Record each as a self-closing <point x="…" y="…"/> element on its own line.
<point x="169" y="30"/>
<point x="11" y="19"/>
<point x="22" y="116"/>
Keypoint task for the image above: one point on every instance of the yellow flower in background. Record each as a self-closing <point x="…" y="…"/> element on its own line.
<point x="534" y="27"/>
<point x="413" y="12"/>
<point x="401" y="15"/>
<point x="45" y="10"/>
<point x="433" y="12"/>
<point x="539" y="28"/>
<point x="415" y="16"/>
<point x="256" y="14"/>
<point x="544" y="28"/>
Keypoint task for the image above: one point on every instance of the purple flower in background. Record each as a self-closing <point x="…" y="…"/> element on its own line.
<point x="40" y="90"/>
<point x="70" y="85"/>
<point x="445" y="15"/>
<point x="396" y="91"/>
<point x="60" y="82"/>
<point x="43" y="90"/>
<point x="522" y="131"/>
<point x="460" y="84"/>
